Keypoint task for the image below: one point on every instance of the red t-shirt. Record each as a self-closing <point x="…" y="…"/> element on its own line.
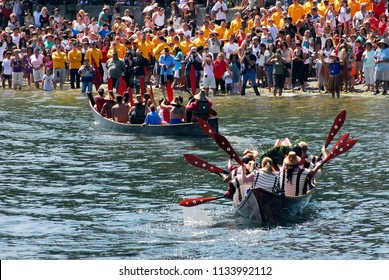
<point x="220" y="67"/>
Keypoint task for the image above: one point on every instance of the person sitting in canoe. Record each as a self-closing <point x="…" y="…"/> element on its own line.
<point x="152" y="118"/>
<point x="201" y="108"/>
<point x="265" y="177"/>
<point x="100" y="100"/>
<point x="176" y="109"/>
<point x="106" y="111"/>
<point x="237" y="187"/>
<point x="295" y="180"/>
<point x="139" y="111"/>
<point x="308" y="160"/>
<point x="120" y="110"/>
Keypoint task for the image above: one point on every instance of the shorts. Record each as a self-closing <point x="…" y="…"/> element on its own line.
<point x="229" y="87"/>
<point x="59" y="75"/>
<point x="177" y="74"/>
<point x="358" y="65"/>
<point x="209" y="81"/>
<point x="169" y="77"/>
<point x="38" y="75"/>
<point x="6" y="77"/>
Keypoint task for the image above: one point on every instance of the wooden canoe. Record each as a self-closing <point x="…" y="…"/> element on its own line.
<point x="184" y="129"/>
<point x="262" y="206"/>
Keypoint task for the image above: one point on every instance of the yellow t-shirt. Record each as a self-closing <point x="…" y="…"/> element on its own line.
<point x="158" y="50"/>
<point x="59" y="59"/>
<point x="96" y="54"/>
<point x="220" y="31"/>
<point x="276" y="17"/>
<point x="145" y="48"/>
<point x="199" y="42"/>
<point x="236" y="24"/>
<point x="296" y="12"/>
<point x="308" y="6"/>
<point x="74" y="58"/>
<point x="355" y="6"/>
<point x="185" y="47"/>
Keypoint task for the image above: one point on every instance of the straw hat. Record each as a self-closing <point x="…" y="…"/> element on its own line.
<point x="106" y="7"/>
<point x="292" y="159"/>
<point x="139" y="99"/>
<point x="201" y="96"/>
<point x="333" y="55"/>
<point x="383" y="41"/>
<point x="253" y="153"/>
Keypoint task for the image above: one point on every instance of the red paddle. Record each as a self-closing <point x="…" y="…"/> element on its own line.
<point x="130" y="96"/>
<point x="206" y="127"/>
<point x="152" y="93"/>
<point x="199" y="163"/>
<point x="342" y="146"/>
<point x="169" y="90"/>
<point x="189" y="202"/>
<point x="142" y="84"/>
<point x="223" y="143"/>
<point x="192" y="76"/>
<point x="122" y="86"/>
<point x="110" y="84"/>
<point x="336" y="126"/>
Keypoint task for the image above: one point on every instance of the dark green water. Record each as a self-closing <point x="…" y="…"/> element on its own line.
<point x="71" y="190"/>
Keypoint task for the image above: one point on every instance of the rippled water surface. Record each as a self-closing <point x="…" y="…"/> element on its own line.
<point x="72" y="190"/>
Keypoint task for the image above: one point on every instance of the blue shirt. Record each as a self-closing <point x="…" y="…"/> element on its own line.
<point x="104" y="32"/>
<point x="152" y="118"/>
<point x="168" y="61"/>
<point x="382" y="54"/>
<point x="179" y="57"/>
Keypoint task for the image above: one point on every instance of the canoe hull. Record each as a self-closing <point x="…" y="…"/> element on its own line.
<point x="184" y="129"/>
<point x="262" y="206"/>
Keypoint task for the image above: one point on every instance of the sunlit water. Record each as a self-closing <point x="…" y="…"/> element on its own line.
<point x="72" y="190"/>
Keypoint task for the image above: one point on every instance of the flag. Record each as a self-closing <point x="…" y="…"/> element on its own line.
<point x="97" y="80"/>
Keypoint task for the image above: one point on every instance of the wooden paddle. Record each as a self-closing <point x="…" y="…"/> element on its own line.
<point x="189" y="202"/>
<point x="342" y="146"/>
<point x="199" y="163"/>
<point x="142" y="84"/>
<point x="206" y="127"/>
<point x="130" y="96"/>
<point x="223" y="143"/>
<point x="192" y="78"/>
<point x="110" y="84"/>
<point x="336" y="126"/>
<point x="169" y="90"/>
<point x="122" y="87"/>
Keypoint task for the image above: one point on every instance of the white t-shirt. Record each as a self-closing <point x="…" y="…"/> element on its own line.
<point x="36" y="17"/>
<point x="36" y="61"/>
<point x="7" y="66"/>
<point x="230" y="48"/>
<point x="16" y="39"/>
<point x="220" y="14"/>
<point x="2" y="48"/>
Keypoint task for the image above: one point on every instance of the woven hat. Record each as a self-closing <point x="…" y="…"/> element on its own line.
<point x="201" y="96"/>
<point x="383" y="41"/>
<point x="106" y="7"/>
<point x="292" y="159"/>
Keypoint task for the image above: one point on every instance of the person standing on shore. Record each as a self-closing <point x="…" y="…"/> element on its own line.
<point x="74" y="59"/>
<point x="59" y="60"/>
<point x="17" y="70"/>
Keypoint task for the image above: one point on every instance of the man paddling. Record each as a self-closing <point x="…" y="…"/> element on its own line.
<point x="201" y="108"/>
<point x="120" y="110"/>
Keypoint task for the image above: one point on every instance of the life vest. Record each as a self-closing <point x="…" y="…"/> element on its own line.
<point x="203" y="110"/>
<point x="138" y="115"/>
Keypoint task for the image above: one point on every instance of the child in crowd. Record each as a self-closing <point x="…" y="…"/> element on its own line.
<point x="228" y="76"/>
<point x="47" y="81"/>
<point x="335" y="78"/>
<point x="6" y="69"/>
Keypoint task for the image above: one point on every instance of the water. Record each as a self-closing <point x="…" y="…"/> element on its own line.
<point x="72" y="190"/>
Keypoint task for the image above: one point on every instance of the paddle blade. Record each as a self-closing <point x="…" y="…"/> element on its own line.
<point x="206" y="127"/>
<point x="189" y="202"/>
<point x="192" y="76"/>
<point x="142" y="84"/>
<point x="151" y="92"/>
<point x="336" y="126"/>
<point x="130" y="96"/>
<point x="110" y="84"/>
<point x="223" y="143"/>
<point x="122" y="86"/>
<point x="335" y="149"/>
<point x="342" y="149"/>
<point x="97" y="80"/>
<point x="199" y="163"/>
<point x="169" y="90"/>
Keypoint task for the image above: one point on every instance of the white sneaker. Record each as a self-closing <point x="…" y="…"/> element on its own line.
<point x="81" y="2"/>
